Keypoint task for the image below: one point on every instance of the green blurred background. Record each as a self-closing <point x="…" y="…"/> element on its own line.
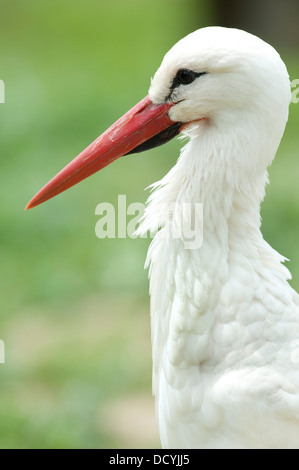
<point x="75" y="309"/>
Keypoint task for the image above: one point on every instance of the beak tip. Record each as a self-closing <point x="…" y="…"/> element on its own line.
<point x="31" y="204"/>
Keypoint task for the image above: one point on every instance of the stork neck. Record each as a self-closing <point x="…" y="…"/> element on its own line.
<point x="213" y="171"/>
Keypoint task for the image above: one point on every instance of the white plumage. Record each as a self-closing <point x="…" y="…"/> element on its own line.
<point x="224" y="318"/>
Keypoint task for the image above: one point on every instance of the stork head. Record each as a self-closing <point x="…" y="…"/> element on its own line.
<point x="217" y="78"/>
<point x="222" y="74"/>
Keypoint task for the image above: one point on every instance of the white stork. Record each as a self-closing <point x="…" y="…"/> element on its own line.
<point x="224" y="318"/>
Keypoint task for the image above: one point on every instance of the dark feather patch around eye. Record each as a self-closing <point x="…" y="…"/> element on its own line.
<point x="184" y="77"/>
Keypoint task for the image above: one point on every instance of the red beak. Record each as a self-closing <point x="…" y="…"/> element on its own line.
<point x="145" y="126"/>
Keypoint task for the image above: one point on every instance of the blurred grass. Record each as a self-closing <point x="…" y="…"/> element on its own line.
<point x="74" y="309"/>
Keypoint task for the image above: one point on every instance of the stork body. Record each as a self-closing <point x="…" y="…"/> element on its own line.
<point x="225" y="322"/>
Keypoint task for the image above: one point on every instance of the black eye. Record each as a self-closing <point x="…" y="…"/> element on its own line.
<point x="185" y="76"/>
